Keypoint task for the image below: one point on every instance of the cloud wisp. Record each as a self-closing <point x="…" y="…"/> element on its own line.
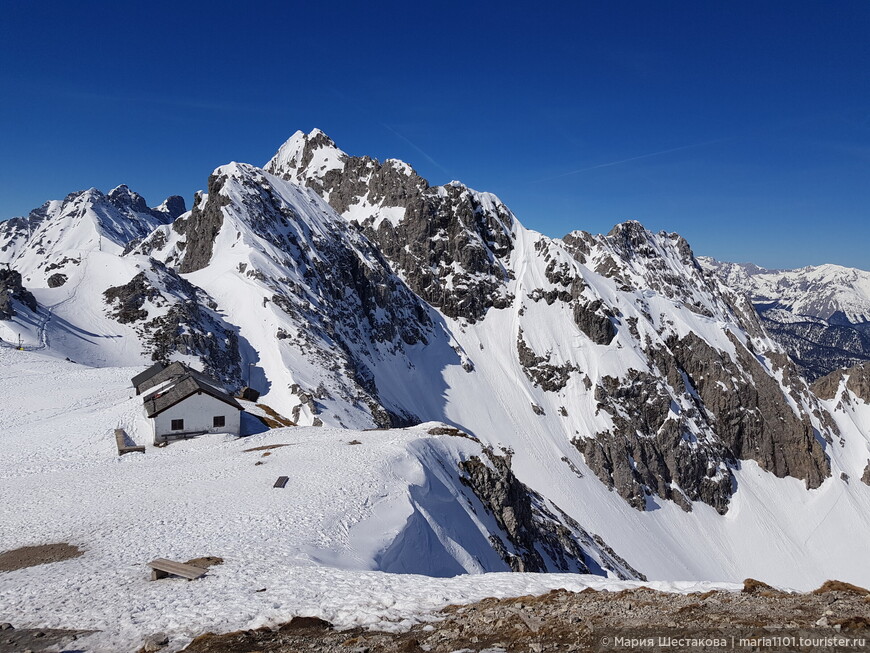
<point x="420" y="150"/>
<point x="610" y="164"/>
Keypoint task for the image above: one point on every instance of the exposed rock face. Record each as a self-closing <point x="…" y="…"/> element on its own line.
<point x="857" y="382"/>
<point x="540" y="370"/>
<point x="751" y="414"/>
<point x="12" y="290"/>
<point x="449" y="243"/>
<point x="682" y="424"/>
<point x="130" y="201"/>
<point x="865" y="478"/>
<point x="202" y="227"/>
<point x="651" y="450"/>
<point x="530" y="525"/>
<point x="594" y="321"/>
<point x="184" y="321"/>
<point x="451" y="251"/>
<point x="131" y="298"/>
<point x="56" y="280"/>
<point x="172" y="207"/>
<point x="731" y="409"/>
<point x="124" y="198"/>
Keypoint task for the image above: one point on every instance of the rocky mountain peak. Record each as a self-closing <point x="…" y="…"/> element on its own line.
<point x="451" y="244"/>
<point x="306" y="156"/>
<point x="630" y="234"/>
<point x="172" y="207"/>
<point x="58" y="231"/>
<point x="124" y="198"/>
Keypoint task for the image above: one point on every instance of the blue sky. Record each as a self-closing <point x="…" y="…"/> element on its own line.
<point x="744" y="126"/>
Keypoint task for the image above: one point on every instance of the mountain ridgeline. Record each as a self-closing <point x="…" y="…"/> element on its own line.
<point x="820" y="314"/>
<point x="615" y="374"/>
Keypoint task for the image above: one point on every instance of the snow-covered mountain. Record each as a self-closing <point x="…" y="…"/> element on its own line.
<point x="49" y="238"/>
<point x="820" y="314"/>
<point x="624" y="384"/>
<point x="821" y="291"/>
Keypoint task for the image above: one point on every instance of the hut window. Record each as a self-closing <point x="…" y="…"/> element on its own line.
<point x="177" y="425"/>
<point x="219" y="421"/>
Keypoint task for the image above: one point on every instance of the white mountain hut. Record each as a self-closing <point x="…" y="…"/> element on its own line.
<point x="186" y="403"/>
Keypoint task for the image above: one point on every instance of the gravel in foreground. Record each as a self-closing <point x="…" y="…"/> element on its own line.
<point x="835" y="617"/>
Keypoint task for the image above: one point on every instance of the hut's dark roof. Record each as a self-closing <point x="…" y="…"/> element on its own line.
<point x="173" y="371"/>
<point x="180" y="389"/>
<point x="139" y="379"/>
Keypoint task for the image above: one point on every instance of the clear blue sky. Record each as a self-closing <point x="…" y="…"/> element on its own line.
<point x="745" y="126"/>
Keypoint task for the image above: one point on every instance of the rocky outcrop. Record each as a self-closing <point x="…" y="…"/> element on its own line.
<point x="172" y="207"/>
<point x="596" y="321"/>
<point x="509" y="502"/>
<point x="124" y="198"/>
<point x="540" y="370"/>
<point x="56" y="280"/>
<point x="729" y="409"/>
<point x="202" y="227"/>
<point x="11" y="290"/>
<point x="130" y="201"/>
<point x="127" y="301"/>
<point x="172" y="316"/>
<point x="857" y="382"/>
<point x="531" y="526"/>
<point x="450" y="251"/>
<point x="749" y="411"/>
<point x="653" y="451"/>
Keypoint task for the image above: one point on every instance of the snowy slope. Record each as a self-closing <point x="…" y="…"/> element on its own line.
<point x="331" y="329"/>
<point x="358" y="505"/>
<point x="57" y="234"/>
<point x="773" y="527"/>
<point x="566" y="345"/>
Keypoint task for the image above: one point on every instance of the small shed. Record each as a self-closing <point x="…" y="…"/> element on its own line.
<point x="189" y="404"/>
<point x="249" y="394"/>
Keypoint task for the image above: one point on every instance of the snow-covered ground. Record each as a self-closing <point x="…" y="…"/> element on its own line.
<point x="316" y="546"/>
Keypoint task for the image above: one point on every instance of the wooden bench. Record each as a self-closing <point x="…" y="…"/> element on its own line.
<point x="282" y="481"/>
<point x="161" y="568"/>
<point x="122" y="440"/>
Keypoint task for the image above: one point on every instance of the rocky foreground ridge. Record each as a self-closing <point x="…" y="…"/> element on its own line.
<point x="592" y="621"/>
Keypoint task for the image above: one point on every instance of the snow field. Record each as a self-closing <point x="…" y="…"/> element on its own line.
<point x="313" y="546"/>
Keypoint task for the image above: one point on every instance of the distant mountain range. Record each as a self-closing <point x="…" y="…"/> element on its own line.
<point x="625" y="381"/>
<point x="820" y="314"/>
